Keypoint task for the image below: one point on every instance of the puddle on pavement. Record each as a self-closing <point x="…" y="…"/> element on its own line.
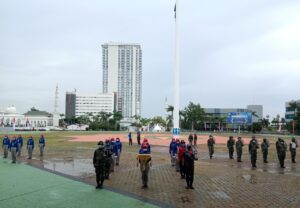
<point x="250" y="178"/>
<point x="219" y="195"/>
<point x="74" y="167"/>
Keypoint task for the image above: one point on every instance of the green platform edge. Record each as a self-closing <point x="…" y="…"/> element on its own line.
<point x="24" y="186"/>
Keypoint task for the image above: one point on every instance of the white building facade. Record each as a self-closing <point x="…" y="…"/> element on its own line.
<point x="122" y="74"/>
<point x="94" y="103"/>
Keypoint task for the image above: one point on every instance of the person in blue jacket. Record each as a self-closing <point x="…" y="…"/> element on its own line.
<point x="118" y="150"/>
<point x="30" y="147"/>
<point x="5" y="145"/>
<point x="173" y="152"/>
<point x="20" y="144"/>
<point x="145" y="141"/>
<point x="113" y="156"/>
<point x="42" y="145"/>
<point x="13" y="147"/>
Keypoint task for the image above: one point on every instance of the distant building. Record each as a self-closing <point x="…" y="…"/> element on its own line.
<point x="223" y="112"/>
<point x="290" y="110"/>
<point x="83" y="104"/>
<point x="122" y="74"/>
<point x="34" y="118"/>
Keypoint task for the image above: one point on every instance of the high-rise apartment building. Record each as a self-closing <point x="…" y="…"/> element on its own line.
<point x="122" y="74"/>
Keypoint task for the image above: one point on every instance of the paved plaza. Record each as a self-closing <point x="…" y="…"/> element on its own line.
<point x="219" y="182"/>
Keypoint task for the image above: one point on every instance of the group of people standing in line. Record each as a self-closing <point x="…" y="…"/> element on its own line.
<point x="281" y="149"/>
<point x="15" y="145"/>
<point x="106" y="156"/>
<point x="183" y="156"/>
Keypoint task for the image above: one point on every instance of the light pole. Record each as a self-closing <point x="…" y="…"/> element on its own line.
<point x="176" y="129"/>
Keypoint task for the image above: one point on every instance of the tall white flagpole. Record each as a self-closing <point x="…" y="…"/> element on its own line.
<point x="176" y="129"/>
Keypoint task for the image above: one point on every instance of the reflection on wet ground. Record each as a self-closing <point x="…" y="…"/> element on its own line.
<point x="80" y="168"/>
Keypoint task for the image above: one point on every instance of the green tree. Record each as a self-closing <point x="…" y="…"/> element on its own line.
<point x="158" y="120"/>
<point x="193" y="115"/>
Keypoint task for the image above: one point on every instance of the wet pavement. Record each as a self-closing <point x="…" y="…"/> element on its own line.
<point x="219" y="182"/>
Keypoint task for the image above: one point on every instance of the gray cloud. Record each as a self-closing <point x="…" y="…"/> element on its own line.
<point x="233" y="53"/>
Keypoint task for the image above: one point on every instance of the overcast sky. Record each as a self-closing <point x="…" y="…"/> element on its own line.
<point x="233" y="52"/>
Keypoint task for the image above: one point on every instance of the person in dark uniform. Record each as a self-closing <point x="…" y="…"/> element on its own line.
<point x="108" y="161"/>
<point x="130" y="139"/>
<point x="281" y="148"/>
<point x="253" y="146"/>
<point x="210" y="144"/>
<point x="99" y="160"/>
<point x="5" y="146"/>
<point x="293" y="147"/>
<point x="14" y="148"/>
<point x="20" y="144"/>
<point x="138" y="137"/>
<point x="189" y="158"/>
<point x="239" y="149"/>
<point x="230" y="146"/>
<point x="195" y="139"/>
<point x="190" y="139"/>
<point x="265" y="149"/>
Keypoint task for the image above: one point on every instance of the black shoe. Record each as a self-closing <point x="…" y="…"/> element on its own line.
<point x="117" y="164"/>
<point x="265" y="161"/>
<point x="282" y="167"/>
<point x="191" y="187"/>
<point x="187" y="187"/>
<point x="210" y="157"/>
<point x="98" y="187"/>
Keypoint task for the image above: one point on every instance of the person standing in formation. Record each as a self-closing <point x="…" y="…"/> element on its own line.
<point x="181" y="150"/>
<point x="189" y="158"/>
<point x="173" y="152"/>
<point x="5" y="146"/>
<point x="239" y="149"/>
<point x="281" y="148"/>
<point x="265" y="149"/>
<point x="99" y="160"/>
<point x="42" y="145"/>
<point x="293" y="147"/>
<point x="144" y="160"/>
<point x="14" y="149"/>
<point x="20" y="144"/>
<point x="118" y="150"/>
<point x="230" y="146"/>
<point x="138" y="137"/>
<point x="130" y="139"/>
<point x="210" y="144"/>
<point x="253" y="146"/>
<point x="190" y="139"/>
<point x="30" y="147"/>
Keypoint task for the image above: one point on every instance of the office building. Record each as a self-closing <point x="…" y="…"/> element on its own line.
<point x="122" y="74"/>
<point x="290" y="110"/>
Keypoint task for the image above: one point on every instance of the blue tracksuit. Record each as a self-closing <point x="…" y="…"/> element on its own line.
<point x="42" y="141"/>
<point x="14" y="144"/>
<point x="20" y="141"/>
<point x="6" y="141"/>
<point x="173" y="148"/>
<point x="145" y="151"/>
<point x="117" y="147"/>
<point x="30" y="141"/>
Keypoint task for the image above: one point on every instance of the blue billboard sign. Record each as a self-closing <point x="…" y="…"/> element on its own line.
<point x="239" y="117"/>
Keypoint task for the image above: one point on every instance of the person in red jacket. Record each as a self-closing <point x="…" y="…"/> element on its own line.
<point x="181" y="150"/>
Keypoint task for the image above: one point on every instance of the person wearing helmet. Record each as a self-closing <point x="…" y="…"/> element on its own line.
<point x="210" y="144"/>
<point x="265" y="149"/>
<point x="13" y="147"/>
<point x="173" y="151"/>
<point x="189" y="158"/>
<point x="5" y="145"/>
<point x="20" y="144"/>
<point x="118" y="150"/>
<point x="281" y="148"/>
<point x="99" y="160"/>
<point x="181" y="150"/>
<point x="30" y="147"/>
<point x="144" y="160"/>
<point x="145" y="141"/>
<point x="253" y="146"/>
<point x="42" y="145"/>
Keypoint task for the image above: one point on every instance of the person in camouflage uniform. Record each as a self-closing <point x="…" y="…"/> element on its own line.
<point x="210" y="145"/>
<point x="265" y="149"/>
<point x="293" y="146"/>
<point x="99" y="160"/>
<point x="239" y="149"/>
<point x="253" y="146"/>
<point x="230" y="146"/>
<point x="108" y="158"/>
<point x="281" y="148"/>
